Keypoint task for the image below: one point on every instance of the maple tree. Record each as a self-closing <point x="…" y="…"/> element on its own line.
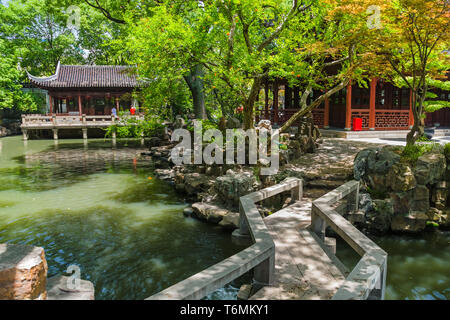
<point x="412" y="51"/>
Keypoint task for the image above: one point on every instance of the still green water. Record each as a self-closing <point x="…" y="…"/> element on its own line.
<point x="418" y="266"/>
<point x="94" y="205"/>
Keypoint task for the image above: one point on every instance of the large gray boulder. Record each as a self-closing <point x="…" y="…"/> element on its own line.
<point x="374" y="161"/>
<point x="400" y="177"/>
<point x="232" y="186"/>
<point x="430" y="168"/>
<point x="412" y="222"/>
<point x="209" y="212"/>
<point x="195" y="183"/>
<point x="380" y="218"/>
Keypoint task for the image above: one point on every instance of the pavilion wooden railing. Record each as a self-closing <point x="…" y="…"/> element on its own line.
<point x="385" y="119"/>
<point x="260" y="256"/>
<point x="38" y="120"/>
<point x="368" y="279"/>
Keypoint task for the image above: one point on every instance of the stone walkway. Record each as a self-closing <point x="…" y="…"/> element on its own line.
<point x="329" y="167"/>
<point x="303" y="270"/>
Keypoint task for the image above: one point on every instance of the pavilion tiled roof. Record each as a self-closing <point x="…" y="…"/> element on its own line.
<point x="87" y="76"/>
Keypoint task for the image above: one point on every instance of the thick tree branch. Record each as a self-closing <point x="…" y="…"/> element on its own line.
<point x="104" y="11"/>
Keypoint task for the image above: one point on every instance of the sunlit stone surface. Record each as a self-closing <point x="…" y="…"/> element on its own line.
<point x="23" y="272"/>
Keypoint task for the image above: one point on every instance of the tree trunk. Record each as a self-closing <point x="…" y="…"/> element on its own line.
<point x="249" y="106"/>
<point x="305" y="109"/>
<point x="418" y="128"/>
<point x="194" y="81"/>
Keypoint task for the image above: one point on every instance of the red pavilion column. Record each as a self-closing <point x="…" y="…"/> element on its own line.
<point x="348" y="109"/>
<point x="79" y="105"/>
<point x="50" y="99"/>
<point x="373" y="88"/>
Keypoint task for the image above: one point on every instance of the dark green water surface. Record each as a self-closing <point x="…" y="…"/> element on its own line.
<point x="98" y="207"/>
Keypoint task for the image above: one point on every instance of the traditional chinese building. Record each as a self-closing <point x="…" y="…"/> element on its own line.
<point x="81" y="98"/>
<point x="88" y="89"/>
<point x="382" y="106"/>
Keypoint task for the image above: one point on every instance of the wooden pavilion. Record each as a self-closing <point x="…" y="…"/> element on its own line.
<point x="382" y="106"/>
<point x="88" y="89"/>
<point x="82" y="97"/>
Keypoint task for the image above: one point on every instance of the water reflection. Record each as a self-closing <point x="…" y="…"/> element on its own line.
<point x="93" y="206"/>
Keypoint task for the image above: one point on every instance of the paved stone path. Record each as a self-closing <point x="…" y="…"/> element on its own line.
<point x="329" y="167"/>
<point x="303" y="270"/>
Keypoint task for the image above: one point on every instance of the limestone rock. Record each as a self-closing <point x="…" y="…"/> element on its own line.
<point x="380" y="218"/>
<point x="232" y="186"/>
<point x="400" y="177"/>
<point x="360" y="163"/>
<point x="385" y="158"/>
<point x="60" y="288"/>
<point x="440" y="194"/>
<point x="434" y="214"/>
<point x="244" y="292"/>
<point x="401" y="202"/>
<point x="412" y="223"/>
<point x="374" y="161"/>
<point x="23" y="272"/>
<point x="209" y="212"/>
<point x="365" y="202"/>
<point x="230" y="221"/>
<point x="430" y="168"/>
<point x="195" y="183"/>
<point x="421" y="199"/>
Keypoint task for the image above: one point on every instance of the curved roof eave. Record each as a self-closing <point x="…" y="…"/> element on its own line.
<point x="44" y="79"/>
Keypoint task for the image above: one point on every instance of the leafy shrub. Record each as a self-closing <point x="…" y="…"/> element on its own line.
<point x="412" y="153"/>
<point x="206" y="125"/>
<point x="447" y="150"/>
<point x="133" y="128"/>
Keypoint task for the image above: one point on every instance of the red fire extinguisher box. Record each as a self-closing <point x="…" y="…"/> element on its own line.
<point x="357" y="124"/>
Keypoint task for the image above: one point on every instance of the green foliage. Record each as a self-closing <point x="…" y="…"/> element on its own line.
<point x="447" y="150"/>
<point x="134" y="128"/>
<point x="432" y="224"/>
<point x="377" y="194"/>
<point x="206" y="125"/>
<point x="11" y="94"/>
<point x="412" y="152"/>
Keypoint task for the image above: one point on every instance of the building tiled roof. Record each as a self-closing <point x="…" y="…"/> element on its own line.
<point x="87" y="76"/>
